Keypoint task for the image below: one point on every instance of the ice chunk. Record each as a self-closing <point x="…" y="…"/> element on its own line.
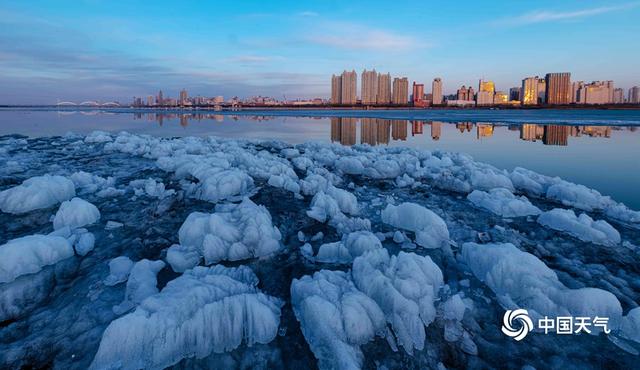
<point x="119" y="269"/>
<point x="630" y="325"/>
<point x="223" y="185"/>
<point x="88" y="183"/>
<point x="182" y="258"/>
<point x="233" y="232"/>
<point x="351" y="246"/>
<point x="578" y="196"/>
<point x="85" y="243"/>
<point x="503" y="203"/>
<point x="141" y="284"/>
<point x="431" y="231"/>
<point x="521" y="280"/>
<point x="582" y="227"/>
<point x="151" y="188"/>
<point x="335" y="318"/>
<point x="29" y="254"/>
<point x="98" y="137"/>
<point x="350" y="165"/>
<point x="111" y="225"/>
<point x="487" y="179"/>
<point x="36" y="193"/>
<point x="405" y="287"/>
<point x="204" y="311"/>
<point x="76" y="213"/>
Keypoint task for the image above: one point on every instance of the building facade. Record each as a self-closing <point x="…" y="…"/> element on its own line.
<point x="529" y="92"/>
<point x="369" y="89"/>
<point x="436" y="91"/>
<point x="618" y="96"/>
<point x="383" y="95"/>
<point x="417" y="95"/>
<point x="558" y="88"/>
<point x="349" y="88"/>
<point x="336" y="89"/>
<point x="486" y="89"/>
<point x="634" y="95"/>
<point x="400" y="91"/>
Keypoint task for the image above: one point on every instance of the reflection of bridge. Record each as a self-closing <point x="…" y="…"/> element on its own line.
<point x="88" y="103"/>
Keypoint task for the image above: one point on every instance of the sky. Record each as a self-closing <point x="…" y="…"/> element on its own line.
<point x="113" y="50"/>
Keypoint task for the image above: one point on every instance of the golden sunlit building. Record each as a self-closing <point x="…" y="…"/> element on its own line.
<point x="484" y="130"/>
<point x="529" y="92"/>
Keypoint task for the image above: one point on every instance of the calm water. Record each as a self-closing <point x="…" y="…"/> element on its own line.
<point x="597" y="148"/>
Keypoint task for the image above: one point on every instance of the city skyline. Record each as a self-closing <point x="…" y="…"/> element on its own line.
<point x="104" y="51"/>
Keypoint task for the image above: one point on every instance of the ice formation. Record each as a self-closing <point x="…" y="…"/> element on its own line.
<point x="502" y="202"/>
<point x="141" y="284"/>
<point x="204" y="311"/>
<point x="521" y="280"/>
<point x="336" y="318"/>
<point x="89" y="183"/>
<point x="75" y="213"/>
<point x="582" y="227"/>
<point x="431" y="231"/>
<point x="405" y="287"/>
<point x="119" y="269"/>
<point x="351" y="246"/>
<point x="234" y="232"/>
<point x="151" y="188"/>
<point x="36" y="193"/>
<point x="29" y="254"/>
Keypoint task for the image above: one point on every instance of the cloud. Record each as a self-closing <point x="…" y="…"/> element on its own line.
<point x="541" y="16"/>
<point x="253" y="59"/>
<point x="357" y="37"/>
<point x="308" y="13"/>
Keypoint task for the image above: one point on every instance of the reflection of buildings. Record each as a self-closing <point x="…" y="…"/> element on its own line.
<point x="464" y="126"/>
<point x="368" y="131"/>
<point x="592" y="131"/>
<point x="184" y="120"/>
<point x="555" y="135"/>
<point x="436" y="130"/>
<point x="484" y="130"/>
<point x="343" y="130"/>
<point x="530" y="132"/>
<point x="384" y="126"/>
<point x="399" y="129"/>
<point x="417" y="128"/>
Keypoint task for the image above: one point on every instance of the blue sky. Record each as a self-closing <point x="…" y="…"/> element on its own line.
<point x="114" y="50"/>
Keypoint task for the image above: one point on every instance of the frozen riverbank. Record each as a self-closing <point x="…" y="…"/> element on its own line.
<point x="406" y="286"/>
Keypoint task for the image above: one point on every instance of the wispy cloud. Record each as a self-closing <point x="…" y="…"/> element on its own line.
<point x="308" y="13"/>
<point x="541" y="16"/>
<point x="253" y="59"/>
<point x="351" y="36"/>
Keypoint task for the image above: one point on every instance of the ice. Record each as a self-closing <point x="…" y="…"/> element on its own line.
<point x="29" y="254"/>
<point x="75" y="213"/>
<point x="119" y="269"/>
<point x="98" y="137"/>
<point x="335" y="318"/>
<point x="234" y="232"/>
<point x="284" y="182"/>
<point x="405" y="287"/>
<point x="431" y="231"/>
<point x="578" y="196"/>
<point x="531" y="182"/>
<point x="521" y="280"/>
<point x="111" y="225"/>
<point x="204" y="311"/>
<point x="487" y="179"/>
<point x="630" y="325"/>
<point x="36" y="193"/>
<point x="502" y="202"/>
<point x="582" y="227"/>
<point x="85" y="243"/>
<point x="90" y="183"/>
<point x="223" y="185"/>
<point x="326" y="206"/>
<point x="350" y="165"/>
<point x="350" y="247"/>
<point x="151" y="188"/>
<point x="141" y="284"/>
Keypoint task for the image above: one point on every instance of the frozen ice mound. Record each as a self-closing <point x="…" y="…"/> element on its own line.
<point x="89" y="183"/>
<point x="29" y="254"/>
<point x="151" y="188"/>
<point x="204" y="311"/>
<point x="431" y="230"/>
<point x="521" y="280"/>
<point x="119" y="269"/>
<point x="405" y="287"/>
<point x="503" y="203"/>
<point x="36" y="193"/>
<point x="225" y="184"/>
<point x="234" y="232"/>
<point x="582" y="227"/>
<point x="351" y="246"/>
<point x="141" y="284"/>
<point x="329" y="205"/>
<point x="98" y="137"/>
<point x="335" y="318"/>
<point x="75" y="213"/>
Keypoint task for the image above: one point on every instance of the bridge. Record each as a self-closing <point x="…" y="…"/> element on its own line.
<point x="88" y="103"/>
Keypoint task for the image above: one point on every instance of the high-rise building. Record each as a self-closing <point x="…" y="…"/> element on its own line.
<point x="184" y="97"/>
<point x="529" y="92"/>
<point x="369" y="89"/>
<point x="349" y="86"/>
<point x="400" y="91"/>
<point x="542" y="91"/>
<point x="618" y="96"/>
<point x="436" y="91"/>
<point x="150" y="100"/>
<point x="500" y="98"/>
<point x="597" y="92"/>
<point x="383" y="95"/>
<point x="634" y="95"/>
<point x="462" y="94"/>
<point x="514" y="94"/>
<point x="471" y="93"/>
<point x="159" y="99"/>
<point x="558" y="88"/>
<point x="417" y="95"/>
<point x="576" y="90"/>
<point x="486" y="89"/>
<point x="336" y="89"/>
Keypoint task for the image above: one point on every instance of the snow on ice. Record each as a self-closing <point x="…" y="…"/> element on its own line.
<point x="36" y="193"/>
